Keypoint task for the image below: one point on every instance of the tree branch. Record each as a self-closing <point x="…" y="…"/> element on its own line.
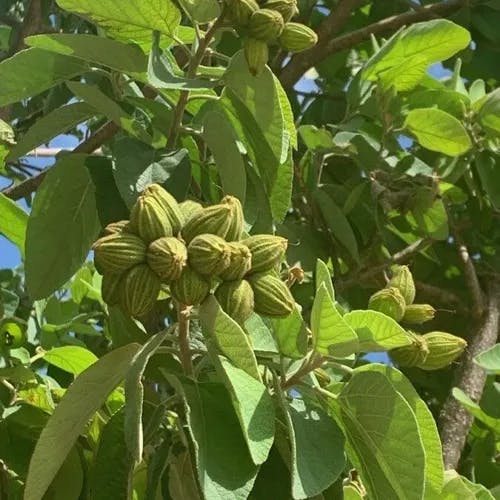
<point x="455" y="421"/>
<point x="440" y="297"/>
<point x="300" y="63"/>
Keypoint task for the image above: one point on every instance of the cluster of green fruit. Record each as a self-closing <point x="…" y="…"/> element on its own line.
<point x="265" y="23"/>
<point x="431" y="351"/>
<point x="193" y="250"/>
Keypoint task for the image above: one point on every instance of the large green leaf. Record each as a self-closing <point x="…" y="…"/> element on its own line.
<point x="132" y="21"/>
<point x="13" y="222"/>
<point x="95" y="49"/>
<point x="317" y="448"/>
<point x="134" y="395"/>
<point x="62" y="226"/>
<point x="224" y="466"/>
<point x="488" y="169"/>
<point x="291" y="334"/>
<point x="331" y="334"/>
<point x="376" y="331"/>
<point x="489" y="112"/>
<point x="475" y="410"/>
<point x="383" y="436"/>
<point x="228" y="336"/>
<point x="32" y="71"/>
<point x="254" y="408"/>
<point x="201" y="12"/>
<point x="81" y="400"/>
<point x="323" y="275"/>
<point x="438" y="131"/>
<point x="460" y="488"/>
<point x="434" y="467"/>
<point x="56" y="122"/>
<point x="220" y="138"/>
<point x="73" y="359"/>
<point x="490" y="360"/>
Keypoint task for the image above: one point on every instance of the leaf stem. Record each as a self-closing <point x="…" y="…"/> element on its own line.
<point x="183" y="328"/>
<point x="314" y="361"/>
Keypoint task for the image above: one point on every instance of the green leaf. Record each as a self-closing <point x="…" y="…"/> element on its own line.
<point x="316" y="139"/>
<point x="434" y="467"/>
<point x="72" y="359"/>
<point x="323" y="275"/>
<point x="66" y="200"/>
<point x="475" y="410"/>
<point x="13" y="222"/>
<point x="317" y="448"/>
<point x="201" y="12"/>
<point x="429" y="214"/>
<point x="224" y="466"/>
<point x="134" y="395"/>
<point x="438" y="131"/>
<point x="426" y="42"/>
<point x="488" y="170"/>
<point x="108" y="107"/>
<point x="337" y="223"/>
<point x="376" y="331"/>
<point x="447" y="100"/>
<point x="113" y="465"/>
<point x="286" y="110"/>
<point x="117" y="55"/>
<point x="460" y="488"/>
<point x="489" y="112"/>
<point x="291" y="334"/>
<point x="253" y="406"/>
<point x="381" y="429"/>
<point x="330" y="333"/>
<point x="219" y="136"/>
<point x="229" y="336"/>
<point x="163" y="72"/>
<point x="31" y="71"/>
<point x="490" y="360"/>
<point x="59" y="121"/>
<point x="81" y="400"/>
<point x="122" y="329"/>
<point x="133" y="21"/>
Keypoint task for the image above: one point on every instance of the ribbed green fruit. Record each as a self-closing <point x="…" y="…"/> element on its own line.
<point x="388" y="301"/>
<point x="402" y="279"/>
<point x="236" y="299"/>
<point x="209" y="254"/>
<point x="416" y="314"/>
<point x="149" y="219"/>
<point x="236" y="218"/>
<point x="240" y="261"/>
<point x="118" y="252"/>
<point x="141" y="287"/>
<point x="256" y="55"/>
<point x="111" y="288"/>
<point x="240" y="11"/>
<point x="287" y="8"/>
<point x="267" y="251"/>
<point x="191" y="288"/>
<point x="271" y="296"/>
<point x="169" y="204"/>
<point x="297" y="37"/>
<point x="188" y="208"/>
<point x="265" y="25"/>
<point x="413" y="354"/>
<point x="444" y="348"/>
<point x="215" y="219"/>
<point x="167" y="257"/>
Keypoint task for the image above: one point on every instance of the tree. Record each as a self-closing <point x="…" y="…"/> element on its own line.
<point x="229" y="370"/>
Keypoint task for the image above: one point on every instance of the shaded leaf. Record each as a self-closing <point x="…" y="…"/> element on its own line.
<point x="490" y="359"/>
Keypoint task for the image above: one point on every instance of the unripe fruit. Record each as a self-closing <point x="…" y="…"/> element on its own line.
<point x="402" y="279"/>
<point x="388" y="301"/>
<point x="111" y="288"/>
<point x="141" y="287"/>
<point x="167" y="257"/>
<point x="188" y="208"/>
<point x="256" y="55"/>
<point x="236" y="218"/>
<point x="271" y="296"/>
<point x="287" y="8"/>
<point x="297" y="37"/>
<point x="240" y="261"/>
<point x="416" y="314"/>
<point x="267" y="251"/>
<point x="209" y="254"/>
<point x="191" y="288"/>
<point x="149" y="219"/>
<point x="117" y="227"/>
<point x="169" y="204"/>
<point x="118" y="252"/>
<point x="444" y="348"/>
<point x="210" y="220"/>
<point x="265" y="25"/>
<point x="236" y="299"/>
<point x="12" y="334"/>
<point x="240" y="11"/>
<point x="413" y="354"/>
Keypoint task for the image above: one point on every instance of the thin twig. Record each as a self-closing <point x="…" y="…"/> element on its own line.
<point x="300" y="63"/>
<point x="185" y="351"/>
